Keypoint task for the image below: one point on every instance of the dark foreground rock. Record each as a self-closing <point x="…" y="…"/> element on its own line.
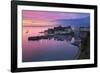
<point x="85" y="48"/>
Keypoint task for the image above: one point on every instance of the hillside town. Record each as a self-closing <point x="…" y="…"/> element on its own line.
<point x="62" y="33"/>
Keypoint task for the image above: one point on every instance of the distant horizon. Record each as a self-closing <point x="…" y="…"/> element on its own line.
<point x="53" y="26"/>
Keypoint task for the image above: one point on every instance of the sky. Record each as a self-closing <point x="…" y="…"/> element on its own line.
<point x="49" y="18"/>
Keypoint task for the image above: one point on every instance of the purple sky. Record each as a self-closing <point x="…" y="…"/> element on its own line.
<point x="31" y="17"/>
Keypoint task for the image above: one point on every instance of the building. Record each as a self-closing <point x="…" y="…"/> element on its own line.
<point x="58" y="30"/>
<point x="84" y="29"/>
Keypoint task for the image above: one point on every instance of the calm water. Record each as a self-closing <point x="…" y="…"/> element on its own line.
<point x="46" y="49"/>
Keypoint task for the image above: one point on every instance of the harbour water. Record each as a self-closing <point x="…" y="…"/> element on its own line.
<point x="46" y="49"/>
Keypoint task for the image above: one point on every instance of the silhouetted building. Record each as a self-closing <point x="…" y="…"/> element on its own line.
<point x="84" y="28"/>
<point x="58" y="30"/>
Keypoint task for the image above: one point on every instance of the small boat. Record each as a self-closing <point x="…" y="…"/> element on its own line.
<point x="76" y="42"/>
<point x="73" y="40"/>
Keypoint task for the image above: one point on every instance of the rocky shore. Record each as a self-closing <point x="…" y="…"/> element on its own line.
<point x="85" y="48"/>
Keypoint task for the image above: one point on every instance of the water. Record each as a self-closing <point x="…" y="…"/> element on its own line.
<point x="46" y="49"/>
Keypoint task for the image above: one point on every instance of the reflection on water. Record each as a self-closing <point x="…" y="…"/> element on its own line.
<point x="50" y="49"/>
